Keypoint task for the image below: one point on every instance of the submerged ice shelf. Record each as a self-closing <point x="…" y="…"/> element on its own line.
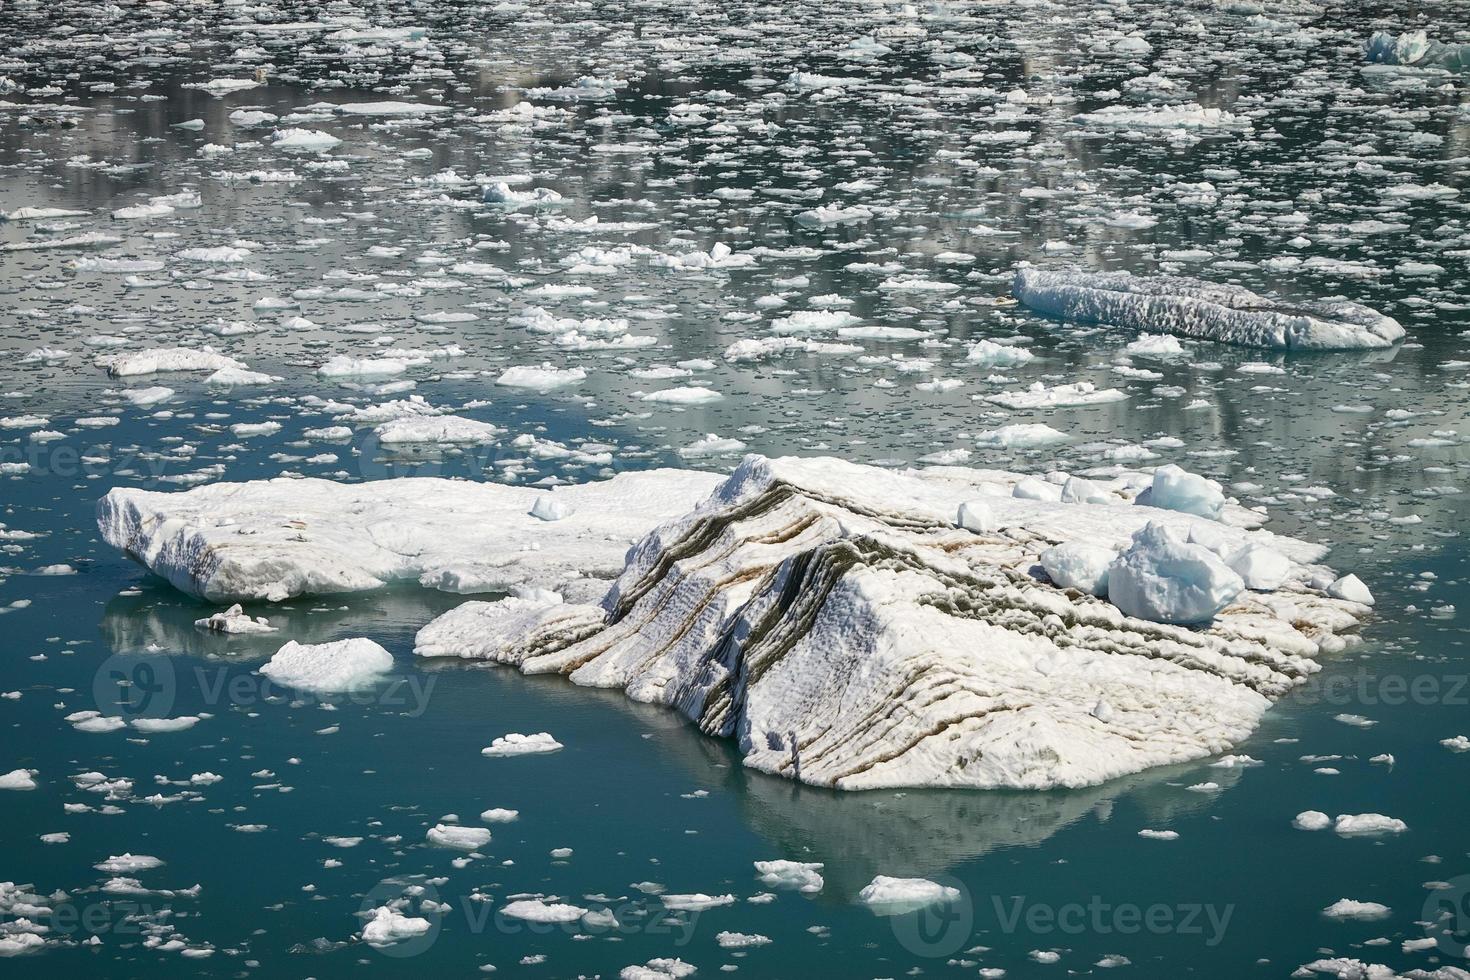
<point x="1203" y="310"/>
<point x="849" y="626"/>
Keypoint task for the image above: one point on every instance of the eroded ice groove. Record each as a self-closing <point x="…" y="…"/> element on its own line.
<point x="1203" y="310"/>
<point x="273" y="539"/>
<point x="833" y="619"/>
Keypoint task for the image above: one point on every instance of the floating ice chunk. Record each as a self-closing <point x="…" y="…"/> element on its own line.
<point x="303" y="140"/>
<point x="1022" y="435"/>
<point x="1072" y="395"/>
<point x="696" y="902"/>
<point x="143" y="397"/>
<point x="687" y="395"/>
<point x="1174" y="488"/>
<point x="1414" y="49"/>
<point x="1079" y="565"/>
<point x="346" y="366"/>
<point x="740" y="940"/>
<point x="1367" y="824"/>
<point x="536" y="910"/>
<point x="718" y="257"/>
<point x="1203" y="310"/>
<point x="1347" y="908"/>
<point x="1164" y="579"/>
<point x="1154" y="345"/>
<point x="801" y="876"/>
<point x="502" y="194"/>
<point x="457" y="837"/>
<point x="390" y="109"/>
<point x="443" y="429"/>
<point x="1188" y="115"/>
<point x="341" y="665"/>
<point x="518" y="744"/>
<point x="18" y="779"/>
<point x="989" y="354"/>
<point x="499" y="815"/>
<point x="234" y="620"/>
<point x="1459" y="743"/>
<point x="128" y="864"/>
<point x="711" y="445"/>
<point x="229" y="377"/>
<point x="388" y="926"/>
<point x="164" y="359"/>
<point x="896" y="896"/>
<point x="1311" y="820"/>
<point x="543" y="378"/>
<point x="1152" y="834"/>
<point x="662" y="968"/>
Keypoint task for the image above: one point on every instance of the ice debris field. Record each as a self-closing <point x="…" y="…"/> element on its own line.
<point x="658" y="490"/>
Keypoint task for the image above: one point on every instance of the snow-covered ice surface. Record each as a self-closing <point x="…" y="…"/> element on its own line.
<point x="284" y="538"/>
<point x="529" y="247"/>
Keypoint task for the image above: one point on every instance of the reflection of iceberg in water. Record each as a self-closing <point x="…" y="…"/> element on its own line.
<point x="160" y="619"/>
<point x="916" y="833"/>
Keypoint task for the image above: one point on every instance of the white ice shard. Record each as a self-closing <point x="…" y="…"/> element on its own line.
<point x="1203" y="310"/>
<point x="273" y="539"/>
<point x="835" y="621"/>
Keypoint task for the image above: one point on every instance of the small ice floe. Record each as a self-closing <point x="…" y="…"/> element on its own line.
<point x="1459" y="743"/>
<point x="1074" y="395"/>
<point x="234" y="620"/>
<point x="1348" y="909"/>
<point x="543" y="378"/>
<point x="18" y="779"/>
<point x="518" y="744"/>
<point x="804" y="877"/>
<point x="499" y="815"/>
<point x="539" y="910"/>
<point x="341" y="665"/>
<point x="1159" y="834"/>
<point x="128" y="864"/>
<point x="1203" y="310"/>
<point x="1311" y="820"/>
<point x="661" y="968"/>
<point x="1367" y="824"/>
<point x="165" y="359"/>
<point x="695" y="902"/>
<point x="388" y="925"/>
<point x="896" y="896"/>
<point x="458" y="838"/>
<point x="740" y="940"/>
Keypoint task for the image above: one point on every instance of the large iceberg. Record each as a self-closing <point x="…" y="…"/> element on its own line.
<point x="839" y="624"/>
<point x="1203" y="310"/>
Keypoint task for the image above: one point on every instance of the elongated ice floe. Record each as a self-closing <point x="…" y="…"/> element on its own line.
<point x="1414" y="49"/>
<point x="273" y="539"/>
<point x="835" y="621"/>
<point x="1203" y="310"/>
